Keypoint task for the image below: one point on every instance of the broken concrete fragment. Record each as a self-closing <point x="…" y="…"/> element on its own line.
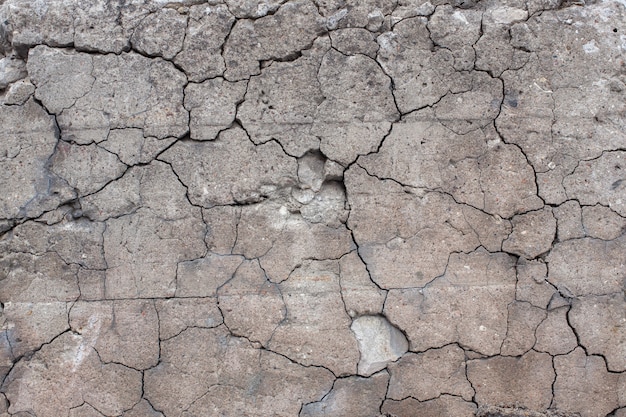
<point x="143" y="246"/>
<point x="491" y="229"/>
<point x="379" y="343"/>
<point x="284" y="240"/>
<point x="30" y="187"/>
<point x="594" y="115"/>
<point x="70" y="367"/>
<point x="411" y="8"/>
<point x="142" y="409"/>
<point x="522" y="324"/>
<point x="441" y="371"/>
<point x="61" y="77"/>
<point x="85" y="410"/>
<point x="531" y="283"/>
<point x="600" y="181"/>
<point x="360" y="295"/>
<point x="90" y="98"/>
<point x="600" y="323"/>
<point x="221" y="222"/>
<point x="532" y="234"/>
<point x="105" y="26"/>
<point x="163" y="194"/>
<point x="370" y="14"/>
<point x="467" y="305"/>
<point x="212" y="106"/>
<point x="475" y="167"/>
<point x="33" y="25"/>
<point x="86" y="168"/>
<point x="508" y="182"/>
<point x="352" y="396"/>
<point x="19" y="92"/>
<point x="117" y="198"/>
<point x="602" y="222"/>
<point x="555" y="132"/>
<point x="554" y="334"/>
<point x="422" y="74"/>
<point x="287" y="387"/>
<point x="202" y="277"/>
<point x="446" y="405"/>
<point x="160" y="34"/>
<point x="569" y="220"/>
<point x="207" y="370"/>
<point x="530" y="107"/>
<point x="421" y="152"/>
<point x="282" y="101"/>
<point x="208" y="27"/>
<point x="316" y="329"/>
<point x="132" y="147"/>
<point x="456" y="30"/>
<point x="252" y="306"/>
<point x="311" y="171"/>
<point x="37" y="278"/>
<point x="153" y="101"/>
<point x="247" y="179"/>
<point x="76" y="241"/>
<point x="587" y="266"/>
<point x="430" y="221"/>
<point x="28" y="326"/>
<point x="297" y="23"/>
<point x="243" y="9"/>
<point x="91" y="284"/>
<point x="123" y="332"/>
<point x="584" y="386"/>
<point x="11" y="69"/>
<point x="328" y="206"/>
<point x="494" y="52"/>
<point x="97" y="26"/>
<point x="358" y="108"/>
<point x="353" y="41"/>
<point x="178" y="314"/>
<point x="528" y="380"/>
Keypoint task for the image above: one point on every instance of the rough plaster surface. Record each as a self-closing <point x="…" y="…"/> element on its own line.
<point x="312" y="208"/>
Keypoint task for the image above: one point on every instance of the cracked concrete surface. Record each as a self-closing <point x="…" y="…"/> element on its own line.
<point x="313" y="208"/>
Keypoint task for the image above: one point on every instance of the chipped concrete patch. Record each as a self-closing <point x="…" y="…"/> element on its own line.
<point x="312" y="208"/>
<point x="379" y="343"/>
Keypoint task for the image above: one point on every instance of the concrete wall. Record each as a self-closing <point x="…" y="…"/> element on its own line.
<point x="312" y="208"/>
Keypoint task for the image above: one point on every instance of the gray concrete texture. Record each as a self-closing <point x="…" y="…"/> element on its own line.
<point x="312" y="208"/>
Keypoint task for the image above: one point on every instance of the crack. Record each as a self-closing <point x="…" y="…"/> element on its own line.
<point x="181" y="183"/>
<point x="573" y="329"/>
<point x="118" y="363"/>
<point x="133" y="47"/>
<point x="358" y="251"/>
<point x="386" y="396"/>
<point x="29" y="355"/>
<point x="409" y="189"/>
<point x="392" y="87"/>
<point x="291" y="57"/>
<point x="158" y="316"/>
<point x="324" y="397"/>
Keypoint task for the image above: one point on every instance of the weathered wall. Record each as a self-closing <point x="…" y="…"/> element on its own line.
<point x="312" y="207"/>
